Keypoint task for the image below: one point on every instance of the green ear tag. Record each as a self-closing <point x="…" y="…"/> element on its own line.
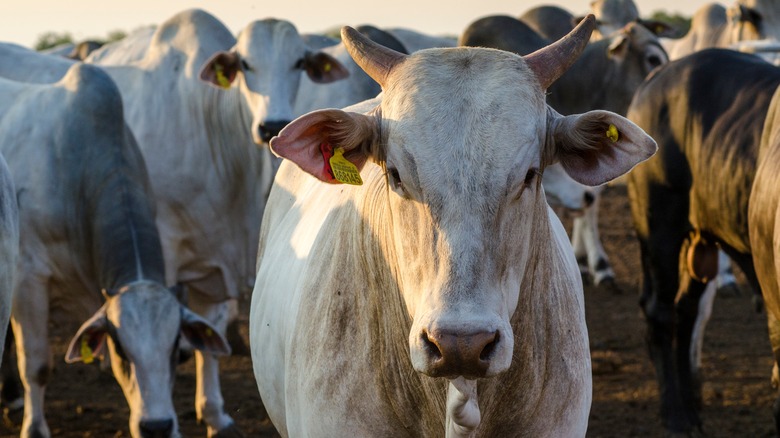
<point x="343" y="170"/>
<point x="86" y="352"/>
<point x="612" y="133"/>
<point x="221" y="78"/>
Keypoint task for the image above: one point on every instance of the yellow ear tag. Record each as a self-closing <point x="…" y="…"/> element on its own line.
<point x="343" y="170"/>
<point x="327" y="67"/>
<point x="221" y="78"/>
<point x="86" y="352"/>
<point x="612" y="133"/>
<point x="209" y="332"/>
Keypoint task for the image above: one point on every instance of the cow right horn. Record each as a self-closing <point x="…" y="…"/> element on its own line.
<point x="551" y="62"/>
<point x="375" y="59"/>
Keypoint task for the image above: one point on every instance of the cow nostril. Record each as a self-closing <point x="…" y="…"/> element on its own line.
<point x="430" y="346"/>
<point x="156" y="428"/>
<point x="489" y="348"/>
<point x="589" y="198"/>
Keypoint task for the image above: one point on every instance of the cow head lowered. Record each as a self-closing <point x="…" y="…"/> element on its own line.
<point x="464" y="135"/>
<point x="269" y="55"/>
<point x="141" y="325"/>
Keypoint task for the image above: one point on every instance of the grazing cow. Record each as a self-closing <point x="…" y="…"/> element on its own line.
<point x="86" y="215"/>
<point x="706" y="111"/>
<point x="604" y="77"/>
<point x="9" y="248"/>
<point x="377" y="307"/>
<point x="712" y="25"/>
<point x="765" y="230"/>
<point x="210" y="182"/>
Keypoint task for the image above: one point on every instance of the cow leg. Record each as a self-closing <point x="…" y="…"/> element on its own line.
<point x="30" y="316"/>
<point x="661" y="236"/>
<point x="726" y="282"/>
<point x="209" y="404"/>
<point x="587" y="245"/>
<point x="12" y="394"/>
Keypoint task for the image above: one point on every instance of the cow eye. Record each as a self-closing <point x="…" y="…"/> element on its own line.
<point x="245" y="66"/>
<point x="654" y="61"/>
<point x="394" y="179"/>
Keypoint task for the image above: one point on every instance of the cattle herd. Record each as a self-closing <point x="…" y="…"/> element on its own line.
<point x="385" y="198"/>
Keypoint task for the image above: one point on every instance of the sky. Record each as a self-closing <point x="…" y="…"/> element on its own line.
<point x="22" y="21"/>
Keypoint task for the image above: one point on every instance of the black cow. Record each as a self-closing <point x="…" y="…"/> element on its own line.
<point x="707" y="112"/>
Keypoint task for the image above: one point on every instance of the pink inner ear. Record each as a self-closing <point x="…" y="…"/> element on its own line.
<point x="327" y="153"/>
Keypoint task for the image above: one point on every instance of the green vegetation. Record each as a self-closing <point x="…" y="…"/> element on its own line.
<point x="48" y="40"/>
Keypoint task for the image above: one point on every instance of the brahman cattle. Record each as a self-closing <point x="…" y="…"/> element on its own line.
<point x="765" y="232"/>
<point x="706" y="111"/>
<point x="604" y="77"/>
<point x="197" y="138"/>
<point x="86" y="215"/>
<point x="440" y="297"/>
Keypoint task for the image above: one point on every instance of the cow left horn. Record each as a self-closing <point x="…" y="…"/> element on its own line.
<point x="375" y="59"/>
<point x="551" y="62"/>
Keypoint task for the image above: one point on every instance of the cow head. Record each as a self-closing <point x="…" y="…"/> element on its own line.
<point x="562" y="190"/>
<point x="140" y="326"/>
<point x="464" y="135"/>
<point x="269" y="55"/>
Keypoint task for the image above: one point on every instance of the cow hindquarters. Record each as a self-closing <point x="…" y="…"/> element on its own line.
<point x="209" y="404"/>
<point x="30" y="316"/>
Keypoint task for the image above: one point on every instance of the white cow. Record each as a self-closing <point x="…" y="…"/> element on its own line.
<point x="377" y="307"/>
<point x="9" y="247"/>
<point x="209" y="179"/>
<point x="86" y="215"/>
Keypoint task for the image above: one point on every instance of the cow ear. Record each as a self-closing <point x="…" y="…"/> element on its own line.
<point x="221" y="69"/>
<point x="618" y="47"/>
<point x="201" y="334"/>
<point x="312" y="139"/>
<point x="323" y="68"/>
<point x="90" y="341"/>
<point x="598" y="146"/>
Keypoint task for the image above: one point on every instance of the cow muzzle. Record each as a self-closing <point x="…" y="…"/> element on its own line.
<point x="266" y="131"/>
<point x="454" y="353"/>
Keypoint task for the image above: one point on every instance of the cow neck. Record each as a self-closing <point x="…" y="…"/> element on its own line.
<point x="226" y="120"/>
<point x="417" y="400"/>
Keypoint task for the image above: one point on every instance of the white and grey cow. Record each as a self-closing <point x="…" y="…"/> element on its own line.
<point x="209" y="179"/>
<point x="714" y="25"/>
<point x="441" y="297"/>
<point x="86" y="215"/>
<point x="9" y="248"/>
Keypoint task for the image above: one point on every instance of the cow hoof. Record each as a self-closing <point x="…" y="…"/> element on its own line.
<point x="729" y="290"/>
<point x="231" y="431"/>
<point x="608" y="284"/>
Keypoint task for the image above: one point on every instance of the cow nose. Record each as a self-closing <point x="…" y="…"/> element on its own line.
<point x="156" y="428"/>
<point x="589" y="198"/>
<point x="453" y="354"/>
<point x="269" y="129"/>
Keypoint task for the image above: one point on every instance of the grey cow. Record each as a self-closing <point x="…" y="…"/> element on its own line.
<point x="87" y="225"/>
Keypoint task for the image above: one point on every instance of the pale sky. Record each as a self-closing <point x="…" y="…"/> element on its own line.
<point x="22" y="21"/>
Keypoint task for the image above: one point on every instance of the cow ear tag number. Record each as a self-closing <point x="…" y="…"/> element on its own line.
<point x="613" y="133"/>
<point x="86" y="352"/>
<point x="343" y="170"/>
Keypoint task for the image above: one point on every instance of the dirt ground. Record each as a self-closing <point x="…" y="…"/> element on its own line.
<point x="82" y="401"/>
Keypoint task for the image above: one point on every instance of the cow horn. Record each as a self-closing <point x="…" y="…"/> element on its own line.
<point x="375" y="59"/>
<point x="551" y="62"/>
